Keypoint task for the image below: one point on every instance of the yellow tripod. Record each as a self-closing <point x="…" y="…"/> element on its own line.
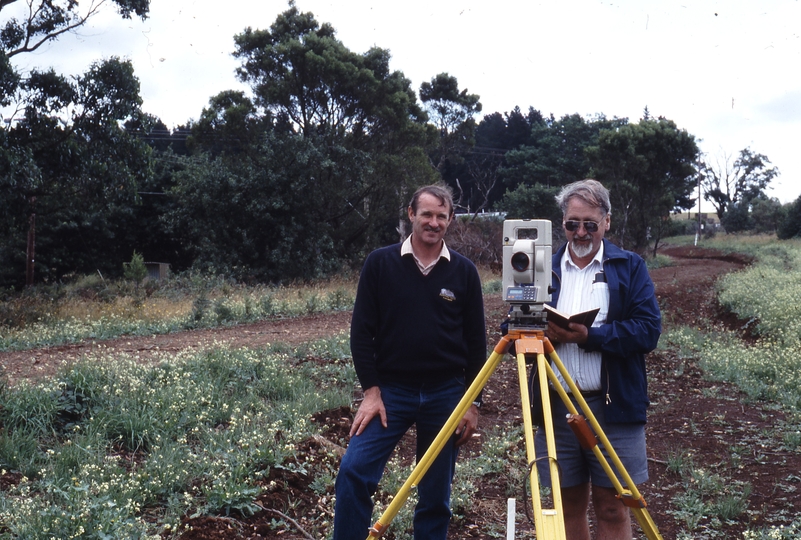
<point x="549" y="522"/>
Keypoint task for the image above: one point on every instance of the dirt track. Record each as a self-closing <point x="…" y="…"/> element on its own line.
<point x="46" y="361"/>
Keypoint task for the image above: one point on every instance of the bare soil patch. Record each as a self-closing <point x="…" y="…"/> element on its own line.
<point x="689" y="414"/>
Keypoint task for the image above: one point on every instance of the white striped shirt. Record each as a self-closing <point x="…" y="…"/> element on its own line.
<point x="577" y="294"/>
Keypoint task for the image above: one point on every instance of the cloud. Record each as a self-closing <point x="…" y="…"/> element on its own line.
<point x="784" y="108"/>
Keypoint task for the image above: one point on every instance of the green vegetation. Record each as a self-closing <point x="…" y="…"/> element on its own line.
<point x="767" y="295"/>
<point x="297" y="179"/>
<point x="125" y="450"/>
<point x="658" y="261"/>
<point x="118" y="449"/>
<point x="789" y="532"/>
<point x="706" y="494"/>
<point x="135" y="270"/>
<point x="310" y="168"/>
<point x="747" y="244"/>
<point x="94" y="308"/>
<point x="114" y="449"/>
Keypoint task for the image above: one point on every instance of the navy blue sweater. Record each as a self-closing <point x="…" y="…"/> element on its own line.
<point x="407" y="327"/>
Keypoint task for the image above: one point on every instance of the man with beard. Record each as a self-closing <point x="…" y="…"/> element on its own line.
<point x="606" y="361"/>
<point x="418" y="340"/>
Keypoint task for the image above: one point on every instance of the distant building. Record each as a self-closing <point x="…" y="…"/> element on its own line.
<point x="709" y="220"/>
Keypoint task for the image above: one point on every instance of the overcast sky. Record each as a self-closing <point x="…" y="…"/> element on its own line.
<point x="726" y="71"/>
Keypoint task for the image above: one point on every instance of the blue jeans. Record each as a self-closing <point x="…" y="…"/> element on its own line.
<point x="428" y="405"/>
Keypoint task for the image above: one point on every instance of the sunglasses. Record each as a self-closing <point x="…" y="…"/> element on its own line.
<point x="589" y="226"/>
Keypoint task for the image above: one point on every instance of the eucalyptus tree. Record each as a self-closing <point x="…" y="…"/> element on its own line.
<point x="43" y="22"/>
<point x="230" y="126"/>
<point x="727" y="181"/>
<point x="650" y="170"/>
<point x="299" y="71"/>
<point x="359" y="119"/>
<point x="308" y="171"/>
<point x="452" y="113"/>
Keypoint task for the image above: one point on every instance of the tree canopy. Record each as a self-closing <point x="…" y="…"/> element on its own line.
<point x="310" y="168"/>
<point x="70" y="146"/>
<point x="790" y="226"/>
<point x="451" y="112"/>
<point x="64" y="144"/>
<point x="555" y="153"/>
<point x="650" y="170"/>
<point x="45" y="21"/>
<point x="299" y="71"/>
<point x="726" y="181"/>
<point x="354" y="137"/>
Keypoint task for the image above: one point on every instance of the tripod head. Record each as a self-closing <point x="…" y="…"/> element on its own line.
<point x="526" y="285"/>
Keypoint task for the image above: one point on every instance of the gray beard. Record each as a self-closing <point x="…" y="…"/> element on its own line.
<point x="580" y="250"/>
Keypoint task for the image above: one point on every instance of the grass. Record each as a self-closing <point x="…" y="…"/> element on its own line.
<point x="746" y="244"/>
<point x="112" y="449"/>
<point x="767" y="295"/>
<point x="659" y="261"/>
<point x="94" y="308"/>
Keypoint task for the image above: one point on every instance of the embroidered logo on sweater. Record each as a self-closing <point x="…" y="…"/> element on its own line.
<point x="447" y="295"/>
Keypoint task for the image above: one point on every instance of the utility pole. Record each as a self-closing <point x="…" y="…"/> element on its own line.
<point x="698" y="227"/>
<point x="31" y="251"/>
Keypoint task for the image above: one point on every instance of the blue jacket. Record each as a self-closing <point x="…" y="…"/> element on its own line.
<point x="632" y="329"/>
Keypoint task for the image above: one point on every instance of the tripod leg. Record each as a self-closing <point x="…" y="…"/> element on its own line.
<point x="380" y="527"/>
<point x="629" y="495"/>
<point x="549" y="522"/>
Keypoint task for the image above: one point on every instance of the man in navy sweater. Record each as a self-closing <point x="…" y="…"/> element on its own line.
<point x="418" y="340"/>
<point x="606" y="361"/>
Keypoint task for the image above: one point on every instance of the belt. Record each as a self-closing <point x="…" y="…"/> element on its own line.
<point x="589" y="394"/>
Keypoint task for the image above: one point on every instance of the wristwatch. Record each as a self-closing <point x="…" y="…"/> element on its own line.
<point x="477" y="404"/>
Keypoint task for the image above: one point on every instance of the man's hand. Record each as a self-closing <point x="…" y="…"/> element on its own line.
<point x="371" y="407"/>
<point x="467" y="426"/>
<point x="576" y="333"/>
